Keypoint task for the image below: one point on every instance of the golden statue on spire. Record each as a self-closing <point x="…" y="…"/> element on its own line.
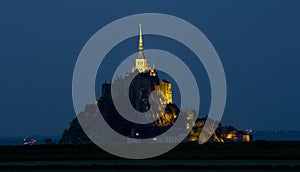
<point x="141" y="39"/>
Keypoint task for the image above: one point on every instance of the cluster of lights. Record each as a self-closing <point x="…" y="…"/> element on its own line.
<point x="29" y="142"/>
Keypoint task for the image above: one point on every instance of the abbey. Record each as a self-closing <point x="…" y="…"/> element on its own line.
<point x="150" y="74"/>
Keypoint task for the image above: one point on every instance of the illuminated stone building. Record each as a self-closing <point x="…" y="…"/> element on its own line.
<point x="166" y="88"/>
<point x="141" y="66"/>
<point x="142" y="81"/>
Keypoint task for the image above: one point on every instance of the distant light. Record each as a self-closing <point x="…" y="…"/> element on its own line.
<point x="137" y="134"/>
<point x="187" y="126"/>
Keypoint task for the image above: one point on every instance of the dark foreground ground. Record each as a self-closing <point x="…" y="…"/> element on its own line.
<point x="255" y="156"/>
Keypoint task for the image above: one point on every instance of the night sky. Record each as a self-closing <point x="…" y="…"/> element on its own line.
<point x="257" y="41"/>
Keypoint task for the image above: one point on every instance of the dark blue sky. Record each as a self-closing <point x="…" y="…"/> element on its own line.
<point x="257" y="41"/>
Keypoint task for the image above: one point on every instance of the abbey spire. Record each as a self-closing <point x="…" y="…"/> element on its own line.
<point x="141" y="61"/>
<point x="141" y="39"/>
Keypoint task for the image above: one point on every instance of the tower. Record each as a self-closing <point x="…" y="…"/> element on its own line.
<point x="141" y="65"/>
<point x="141" y="61"/>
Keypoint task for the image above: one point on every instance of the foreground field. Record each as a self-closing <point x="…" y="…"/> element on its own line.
<point x="255" y="156"/>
